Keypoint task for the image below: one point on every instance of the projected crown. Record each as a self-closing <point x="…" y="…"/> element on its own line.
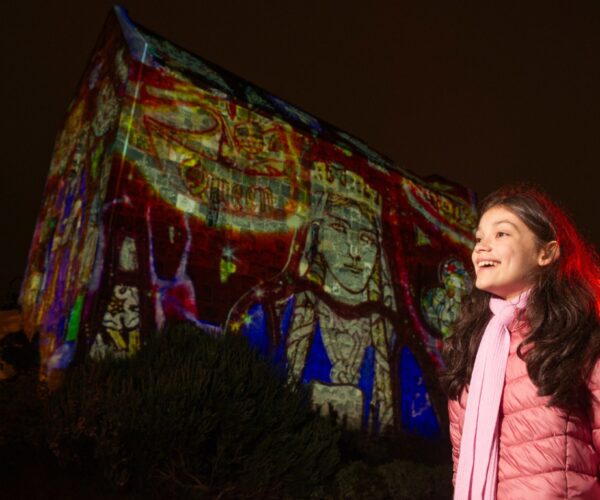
<point x="338" y="180"/>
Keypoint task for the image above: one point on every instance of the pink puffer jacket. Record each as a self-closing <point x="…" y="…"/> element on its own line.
<point x="544" y="453"/>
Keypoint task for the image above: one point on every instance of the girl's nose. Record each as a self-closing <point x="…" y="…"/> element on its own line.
<point x="482" y="246"/>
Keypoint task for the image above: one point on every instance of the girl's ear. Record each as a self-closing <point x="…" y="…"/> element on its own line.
<point x="549" y="253"/>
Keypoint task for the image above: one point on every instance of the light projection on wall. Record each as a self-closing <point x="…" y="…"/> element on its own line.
<point x="441" y="304"/>
<point x="179" y="192"/>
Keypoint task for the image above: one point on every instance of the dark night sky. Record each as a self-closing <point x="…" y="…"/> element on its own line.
<point x="480" y="95"/>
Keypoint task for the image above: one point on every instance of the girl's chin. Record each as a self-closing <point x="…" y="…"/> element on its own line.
<point x="483" y="287"/>
<point x="492" y="290"/>
<point x="502" y="293"/>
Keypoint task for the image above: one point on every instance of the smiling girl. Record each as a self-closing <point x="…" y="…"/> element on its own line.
<point x="523" y="375"/>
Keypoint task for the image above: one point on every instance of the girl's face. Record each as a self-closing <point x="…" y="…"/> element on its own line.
<point x="506" y="254"/>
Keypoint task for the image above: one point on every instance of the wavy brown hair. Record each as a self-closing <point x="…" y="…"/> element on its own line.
<point x="563" y="343"/>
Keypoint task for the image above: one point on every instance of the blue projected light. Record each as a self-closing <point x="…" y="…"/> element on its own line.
<point x="415" y="405"/>
<point x="318" y="366"/>
<point x="255" y="330"/>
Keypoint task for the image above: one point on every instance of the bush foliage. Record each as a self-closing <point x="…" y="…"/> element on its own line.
<point x="21" y="425"/>
<point x="197" y="417"/>
<point x="203" y="416"/>
<point x="398" y="479"/>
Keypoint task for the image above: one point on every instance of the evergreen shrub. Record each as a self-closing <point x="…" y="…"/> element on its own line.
<point x="21" y="422"/>
<point x="393" y="465"/>
<point x="197" y="415"/>
<point x="399" y="480"/>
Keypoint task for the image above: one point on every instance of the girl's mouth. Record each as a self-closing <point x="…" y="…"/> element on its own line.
<point x="487" y="264"/>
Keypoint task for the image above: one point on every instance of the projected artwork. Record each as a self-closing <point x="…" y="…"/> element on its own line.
<point x="340" y="266"/>
<point x="179" y="192"/>
<point x="441" y="304"/>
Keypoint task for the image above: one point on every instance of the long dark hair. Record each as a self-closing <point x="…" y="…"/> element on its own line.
<point x="563" y="342"/>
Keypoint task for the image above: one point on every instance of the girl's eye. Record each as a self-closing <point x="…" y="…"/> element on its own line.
<point x="501" y="234"/>
<point x="477" y="240"/>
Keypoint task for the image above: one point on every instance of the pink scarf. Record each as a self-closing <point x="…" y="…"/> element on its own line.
<point x="476" y="475"/>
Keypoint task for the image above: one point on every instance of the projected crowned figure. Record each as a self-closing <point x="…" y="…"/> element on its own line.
<point x="328" y="305"/>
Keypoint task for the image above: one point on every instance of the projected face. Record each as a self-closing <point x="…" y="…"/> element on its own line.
<point x="349" y="246"/>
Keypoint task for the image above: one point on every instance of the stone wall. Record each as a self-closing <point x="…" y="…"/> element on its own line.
<point x="179" y="192"/>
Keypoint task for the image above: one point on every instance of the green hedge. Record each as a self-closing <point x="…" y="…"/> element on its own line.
<point x="398" y="479"/>
<point x="191" y="416"/>
<point x="21" y="423"/>
<point x="196" y="415"/>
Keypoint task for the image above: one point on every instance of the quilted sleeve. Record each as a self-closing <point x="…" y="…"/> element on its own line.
<point x="595" y="388"/>
<point x="456" y="416"/>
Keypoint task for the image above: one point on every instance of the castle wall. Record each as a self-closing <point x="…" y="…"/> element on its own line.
<point x="180" y="193"/>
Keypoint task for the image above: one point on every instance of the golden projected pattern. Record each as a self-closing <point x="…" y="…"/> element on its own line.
<point x="222" y="162"/>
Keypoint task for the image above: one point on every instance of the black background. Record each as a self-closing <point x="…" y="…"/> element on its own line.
<point x="482" y="95"/>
